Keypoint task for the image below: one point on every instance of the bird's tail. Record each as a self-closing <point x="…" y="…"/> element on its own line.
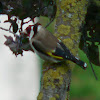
<point x="70" y="56"/>
<point x="79" y="62"/>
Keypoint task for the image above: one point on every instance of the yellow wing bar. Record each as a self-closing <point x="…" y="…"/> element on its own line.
<point x="51" y="55"/>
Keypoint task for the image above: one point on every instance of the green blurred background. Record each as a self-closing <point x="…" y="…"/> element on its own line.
<point x="84" y="86"/>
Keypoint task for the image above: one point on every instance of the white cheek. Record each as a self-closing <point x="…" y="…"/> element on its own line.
<point x="39" y="27"/>
<point x="36" y="20"/>
<point x="31" y="33"/>
<point x="24" y="32"/>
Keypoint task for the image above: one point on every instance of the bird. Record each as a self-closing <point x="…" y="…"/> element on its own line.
<point x="48" y="47"/>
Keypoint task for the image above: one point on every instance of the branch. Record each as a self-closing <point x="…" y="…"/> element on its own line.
<point x="55" y="83"/>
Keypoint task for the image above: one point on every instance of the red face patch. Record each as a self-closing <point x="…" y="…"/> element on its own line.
<point x="28" y="29"/>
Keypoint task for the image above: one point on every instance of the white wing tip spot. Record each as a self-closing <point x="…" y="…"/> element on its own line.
<point x="85" y="65"/>
<point x="77" y="58"/>
<point x="59" y="40"/>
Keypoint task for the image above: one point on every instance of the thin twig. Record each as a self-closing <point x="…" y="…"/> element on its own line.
<point x="7" y="30"/>
<point x="89" y="59"/>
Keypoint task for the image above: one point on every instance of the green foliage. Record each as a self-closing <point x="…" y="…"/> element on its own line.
<point x="84" y="86"/>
